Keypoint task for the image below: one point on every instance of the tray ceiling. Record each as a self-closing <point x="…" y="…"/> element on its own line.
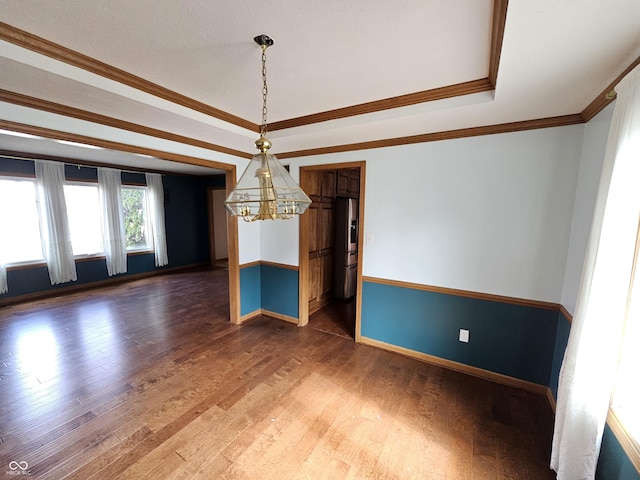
<point x="340" y="73"/>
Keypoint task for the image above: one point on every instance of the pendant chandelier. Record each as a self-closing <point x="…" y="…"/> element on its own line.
<point x="266" y="190"/>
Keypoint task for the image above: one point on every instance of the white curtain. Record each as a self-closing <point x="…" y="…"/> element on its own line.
<point x="590" y="361"/>
<point x="54" y="225"/>
<point x="113" y="237"/>
<point x="156" y="211"/>
<point x="3" y="276"/>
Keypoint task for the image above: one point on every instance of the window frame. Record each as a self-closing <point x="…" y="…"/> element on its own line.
<point x="616" y="421"/>
<point x="82" y="257"/>
<point x="149" y="248"/>
<point x="24" y="263"/>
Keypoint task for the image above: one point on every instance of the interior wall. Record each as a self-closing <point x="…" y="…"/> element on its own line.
<point x="596" y="133"/>
<point x="488" y="214"/>
<point x="249" y="235"/>
<point x="219" y="224"/>
<point x="279" y="240"/>
<point x="185" y="222"/>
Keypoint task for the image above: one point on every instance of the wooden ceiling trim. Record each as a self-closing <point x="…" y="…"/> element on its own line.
<point x="59" y="109"/>
<point x="605" y="97"/>
<point x="449" y="91"/>
<point x="121" y="147"/>
<point x="499" y="20"/>
<point x="497" y="36"/>
<point x="45" y="47"/>
<point x="446" y="135"/>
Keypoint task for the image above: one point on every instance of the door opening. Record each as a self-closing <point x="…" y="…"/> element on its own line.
<point x="330" y="248"/>
<point x="218" y="247"/>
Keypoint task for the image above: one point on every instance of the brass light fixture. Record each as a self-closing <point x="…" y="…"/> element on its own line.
<point x="265" y="190"/>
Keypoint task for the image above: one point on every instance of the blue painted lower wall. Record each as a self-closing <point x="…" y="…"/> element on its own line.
<point x="35" y="279"/>
<point x="562" y="337"/>
<point x="513" y="340"/>
<point x="522" y="342"/>
<point x="613" y="463"/>
<point x="250" y="293"/>
<point x="279" y="290"/>
<point x="269" y="287"/>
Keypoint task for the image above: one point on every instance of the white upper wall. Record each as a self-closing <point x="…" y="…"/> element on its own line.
<point x="489" y="214"/>
<point x="249" y="235"/>
<point x="593" y="151"/>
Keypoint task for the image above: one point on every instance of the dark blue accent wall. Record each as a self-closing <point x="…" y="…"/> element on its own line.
<point x="186" y="219"/>
<point x="513" y="340"/>
<point x="250" y="289"/>
<point x="186" y="222"/>
<point x="279" y="290"/>
<point x="613" y="463"/>
<point x="562" y="337"/>
<point x="216" y="181"/>
<point x="269" y="287"/>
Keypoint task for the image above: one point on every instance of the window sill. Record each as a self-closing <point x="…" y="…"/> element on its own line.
<point x="25" y="265"/>
<point x="78" y="258"/>
<point x="140" y="252"/>
<point x="629" y="444"/>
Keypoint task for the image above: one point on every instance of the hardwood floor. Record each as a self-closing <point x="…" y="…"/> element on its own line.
<point x="149" y="379"/>
<point x="337" y="318"/>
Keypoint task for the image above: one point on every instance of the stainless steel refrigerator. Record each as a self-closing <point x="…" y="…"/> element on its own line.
<point x="346" y="247"/>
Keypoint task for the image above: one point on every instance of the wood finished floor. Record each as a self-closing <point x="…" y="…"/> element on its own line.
<point x="148" y="379"/>
<point x="338" y="318"/>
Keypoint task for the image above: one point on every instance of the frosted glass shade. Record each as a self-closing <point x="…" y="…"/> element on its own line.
<point x="266" y="191"/>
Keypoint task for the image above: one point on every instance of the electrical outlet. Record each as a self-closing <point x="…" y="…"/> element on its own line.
<point x="464" y="335"/>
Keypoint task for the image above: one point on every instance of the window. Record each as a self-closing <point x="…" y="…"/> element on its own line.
<point x="626" y="397"/>
<point x="136" y="219"/>
<point x="83" y="212"/>
<point x="20" y="240"/>
<point x="19" y="215"/>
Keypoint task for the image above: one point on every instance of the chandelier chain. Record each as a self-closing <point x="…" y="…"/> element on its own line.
<point x="263" y="126"/>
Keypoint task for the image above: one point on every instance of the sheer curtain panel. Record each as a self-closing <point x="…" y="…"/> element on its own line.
<point x="113" y="236"/>
<point x="156" y="209"/>
<point x="54" y="225"/>
<point x="3" y="276"/>
<point x="590" y="361"/>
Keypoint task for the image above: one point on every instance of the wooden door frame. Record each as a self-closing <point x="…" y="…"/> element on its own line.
<point x="303" y="248"/>
<point x="233" y="250"/>
<point x="212" y="228"/>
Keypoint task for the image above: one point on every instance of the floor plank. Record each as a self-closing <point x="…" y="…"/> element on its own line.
<point x="149" y="379"/>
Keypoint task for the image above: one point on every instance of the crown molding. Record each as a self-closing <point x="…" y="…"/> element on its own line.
<point x="499" y="19"/>
<point x="59" y="109"/>
<point x="110" y="145"/>
<point x="45" y="47"/>
<point x="437" y="136"/>
<point x="497" y="36"/>
<point x="449" y="91"/>
<point x="605" y="97"/>
<point x="42" y="46"/>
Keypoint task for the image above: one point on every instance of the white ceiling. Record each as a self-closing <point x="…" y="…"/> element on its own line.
<point x="556" y="58"/>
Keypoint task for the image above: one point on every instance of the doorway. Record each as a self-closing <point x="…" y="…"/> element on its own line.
<point x="218" y="246"/>
<point x="319" y="261"/>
